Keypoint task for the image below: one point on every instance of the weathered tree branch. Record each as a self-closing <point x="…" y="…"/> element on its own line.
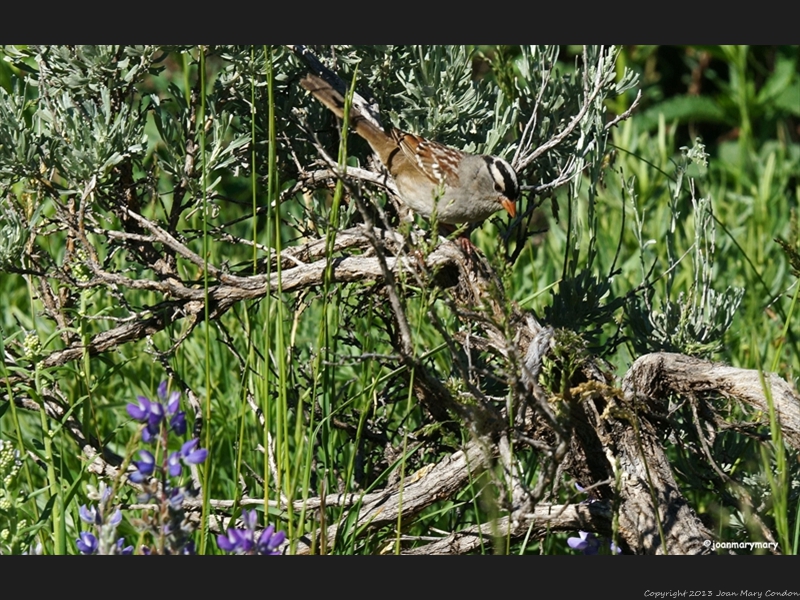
<point x="653" y="377"/>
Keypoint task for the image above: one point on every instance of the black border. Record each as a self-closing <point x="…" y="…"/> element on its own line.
<point x="404" y="21"/>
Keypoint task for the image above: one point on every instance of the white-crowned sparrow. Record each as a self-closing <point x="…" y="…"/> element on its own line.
<point x="464" y="188"/>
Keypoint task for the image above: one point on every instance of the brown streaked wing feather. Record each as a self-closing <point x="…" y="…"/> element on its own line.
<point x="418" y="152"/>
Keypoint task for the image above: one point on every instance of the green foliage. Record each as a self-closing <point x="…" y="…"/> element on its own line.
<point x="13" y="235"/>
<point x="695" y="323"/>
<point x="144" y="208"/>
<point x="12" y="523"/>
<point x="791" y="246"/>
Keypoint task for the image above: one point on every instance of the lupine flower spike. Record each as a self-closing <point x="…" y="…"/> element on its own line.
<point x="244" y="540"/>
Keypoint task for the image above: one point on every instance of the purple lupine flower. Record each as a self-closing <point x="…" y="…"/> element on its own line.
<point x="122" y="549"/>
<point x="176" y="497"/>
<point x="105" y="526"/>
<point x="236" y="540"/>
<point x="243" y="541"/>
<point x="144" y="467"/>
<point x="90" y="515"/>
<point x="152" y="413"/>
<point x="269" y="541"/>
<point x="141" y="410"/>
<point x="586" y="543"/>
<point x="94" y="516"/>
<point x="589" y="544"/>
<point x="161" y="417"/>
<point x="153" y="426"/>
<point x="178" y="422"/>
<point x="149" y="413"/>
<point x="116" y="518"/>
<point x="172" y="403"/>
<point x="193" y="456"/>
<point x="189" y="548"/>
<point x="189" y="454"/>
<point x="174" y="464"/>
<point x="250" y="518"/>
<point x="156" y="415"/>
<point x="86" y="543"/>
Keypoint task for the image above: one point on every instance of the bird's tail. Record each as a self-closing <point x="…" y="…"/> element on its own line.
<point x="330" y="97"/>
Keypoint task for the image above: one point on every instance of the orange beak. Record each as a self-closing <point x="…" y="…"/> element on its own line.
<point x="510" y="207"/>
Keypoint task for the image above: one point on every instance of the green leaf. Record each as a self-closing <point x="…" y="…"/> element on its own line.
<point x="682" y="109"/>
<point x="779" y="81"/>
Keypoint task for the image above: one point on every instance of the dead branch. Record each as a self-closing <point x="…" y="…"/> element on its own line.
<point x="653" y="377"/>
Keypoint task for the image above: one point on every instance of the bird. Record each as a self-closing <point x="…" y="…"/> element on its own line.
<point x="431" y="177"/>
